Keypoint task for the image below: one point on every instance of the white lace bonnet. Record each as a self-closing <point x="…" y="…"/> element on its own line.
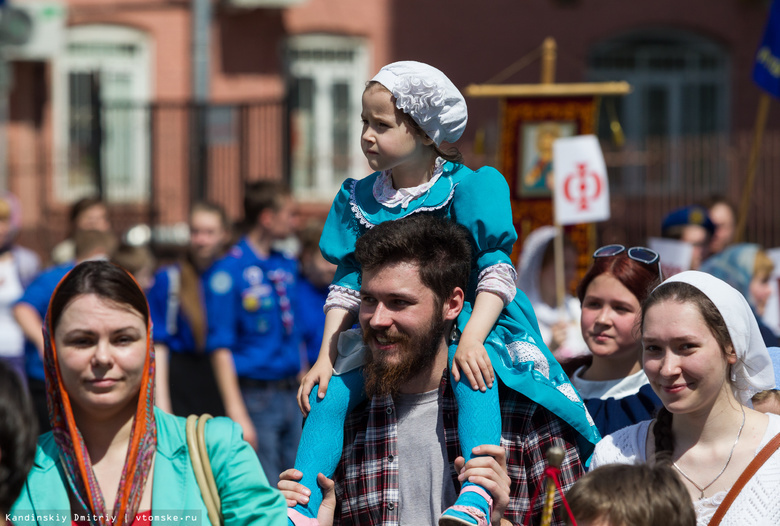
<point x="428" y="96"/>
<point x="753" y="371"/>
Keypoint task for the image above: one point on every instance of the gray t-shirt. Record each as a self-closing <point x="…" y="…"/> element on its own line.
<point x="424" y="476"/>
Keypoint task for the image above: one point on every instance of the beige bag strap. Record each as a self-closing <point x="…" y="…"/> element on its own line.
<point x="201" y="465"/>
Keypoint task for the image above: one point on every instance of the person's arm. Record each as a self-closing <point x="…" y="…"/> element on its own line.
<point x="31" y="324"/>
<point x="162" y="385"/>
<point x="246" y="495"/>
<point x="471" y="357"/>
<point x="227" y="382"/>
<point x="336" y="321"/>
<point x="481" y="205"/>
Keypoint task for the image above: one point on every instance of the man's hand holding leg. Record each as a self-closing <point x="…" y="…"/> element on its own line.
<point x="489" y="471"/>
<point x="296" y="493"/>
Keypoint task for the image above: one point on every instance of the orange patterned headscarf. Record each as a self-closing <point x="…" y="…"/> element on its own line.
<point x="73" y="452"/>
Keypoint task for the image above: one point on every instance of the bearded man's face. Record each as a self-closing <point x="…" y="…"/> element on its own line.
<point x="403" y="327"/>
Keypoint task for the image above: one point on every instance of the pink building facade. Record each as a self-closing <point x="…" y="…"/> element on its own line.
<point x="286" y="79"/>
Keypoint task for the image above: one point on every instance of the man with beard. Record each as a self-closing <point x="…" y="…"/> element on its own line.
<point x="401" y="462"/>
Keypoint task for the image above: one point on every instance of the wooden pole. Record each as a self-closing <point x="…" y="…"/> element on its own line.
<point x="555" y="457"/>
<point x="548" y="60"/>
<point x="560" y="274"/>
<point x="755" y="150"/>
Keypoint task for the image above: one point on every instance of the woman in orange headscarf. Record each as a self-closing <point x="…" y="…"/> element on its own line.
<point x="117" y="459"/>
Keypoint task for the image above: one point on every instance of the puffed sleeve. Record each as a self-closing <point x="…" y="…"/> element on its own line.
<point x="481" y="204"/>
<point x="339" y="235"/>
<point x="247" y="497"/>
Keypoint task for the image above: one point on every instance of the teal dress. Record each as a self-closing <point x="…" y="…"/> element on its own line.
<point x="478" y="200"/>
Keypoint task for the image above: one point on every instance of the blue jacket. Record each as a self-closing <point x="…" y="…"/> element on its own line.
<point x="246" y="496"/>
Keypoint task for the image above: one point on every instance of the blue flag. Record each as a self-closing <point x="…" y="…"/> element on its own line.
<point x="766" y="72"/>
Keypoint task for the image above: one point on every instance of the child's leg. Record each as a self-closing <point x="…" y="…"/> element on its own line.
<point x="479" y="423"/>
<point x="322" y="440"/>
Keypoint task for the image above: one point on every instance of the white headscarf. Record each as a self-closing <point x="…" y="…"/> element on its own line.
<point x="428" y="96"/>
<point x="753" y="371"/>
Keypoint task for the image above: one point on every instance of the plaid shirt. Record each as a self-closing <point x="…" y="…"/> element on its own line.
<point x="367" y="474"/>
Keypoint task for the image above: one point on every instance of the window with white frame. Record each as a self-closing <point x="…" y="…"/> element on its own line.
<point x="105" y="74"/>
<point x="327" y="75"/>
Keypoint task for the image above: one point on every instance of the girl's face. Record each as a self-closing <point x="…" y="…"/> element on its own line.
<point x="682" y="359"/>
<point x="760" y="291"/>
<point x="101" y="348"/>
<point x="609" y="315"/>
<point x="207" y="235"/>
<point x="387" y="140"/>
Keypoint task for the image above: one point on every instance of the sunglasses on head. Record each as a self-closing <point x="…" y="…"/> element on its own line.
<point x="640" y="254"/>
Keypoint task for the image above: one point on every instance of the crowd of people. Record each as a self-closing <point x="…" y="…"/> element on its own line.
<point x="397" y="369"/>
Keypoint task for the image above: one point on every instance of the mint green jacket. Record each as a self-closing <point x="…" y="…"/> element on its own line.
<point x="247" y="498"/>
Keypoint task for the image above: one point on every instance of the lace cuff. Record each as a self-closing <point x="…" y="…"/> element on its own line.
<point x="342" y="298"/>
<point x="500" y="280"/>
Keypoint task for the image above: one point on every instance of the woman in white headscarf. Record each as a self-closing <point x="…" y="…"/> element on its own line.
<point x="704" y="357"/>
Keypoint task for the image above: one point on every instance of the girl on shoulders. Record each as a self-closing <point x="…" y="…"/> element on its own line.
<point x="409" y="110"/>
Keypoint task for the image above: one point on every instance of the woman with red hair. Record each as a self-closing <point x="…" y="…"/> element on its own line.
<point x="614" y="388"/>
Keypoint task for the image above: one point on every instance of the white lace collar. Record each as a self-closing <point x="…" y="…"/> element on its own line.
<point x="388" y="196"/>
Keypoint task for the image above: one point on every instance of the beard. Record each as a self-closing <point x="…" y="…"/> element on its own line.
<point x="417" y="352"/>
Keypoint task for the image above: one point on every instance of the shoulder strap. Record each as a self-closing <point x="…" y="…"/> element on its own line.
<point x="174" y="292"/>
<point x="201" y="466"/>
<point x="763" y="455"/>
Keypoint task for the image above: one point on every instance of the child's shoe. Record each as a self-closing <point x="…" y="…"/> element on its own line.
<point x="472" y="508"/>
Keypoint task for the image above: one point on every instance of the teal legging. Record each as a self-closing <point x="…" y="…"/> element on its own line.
<point x="322" y="440"/>
<point x="479" y="417"/>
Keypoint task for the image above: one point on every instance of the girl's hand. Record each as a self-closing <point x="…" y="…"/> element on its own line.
<point x="472" y="360"/>
<point x="319" y="374"/>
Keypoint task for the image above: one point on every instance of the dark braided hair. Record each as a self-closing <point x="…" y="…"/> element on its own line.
<point x="680" y="292"/>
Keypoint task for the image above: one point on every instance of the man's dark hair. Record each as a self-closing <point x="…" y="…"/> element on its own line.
<point x="18" y="434"/>
<point x="440" y="248"/>
<point x="262" y="195"/>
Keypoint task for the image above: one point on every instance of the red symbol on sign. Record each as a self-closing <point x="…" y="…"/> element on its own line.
<point x="580" y="182"/>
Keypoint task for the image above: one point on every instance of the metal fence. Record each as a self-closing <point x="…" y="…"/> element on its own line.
<point x="151" y="161"/>
<point x="649" y="180"/>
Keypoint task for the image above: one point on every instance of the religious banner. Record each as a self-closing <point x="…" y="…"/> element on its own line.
<point x="581" y="188"/>
<point x="533" y="117"/>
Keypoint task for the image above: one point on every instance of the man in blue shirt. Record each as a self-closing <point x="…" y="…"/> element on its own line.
<point x="250" y="298"/>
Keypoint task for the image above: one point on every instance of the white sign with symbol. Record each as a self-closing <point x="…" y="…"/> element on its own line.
<point x="581" y="188"/>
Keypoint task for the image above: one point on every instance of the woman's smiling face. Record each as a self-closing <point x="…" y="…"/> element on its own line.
<point x="683" y="360"/>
